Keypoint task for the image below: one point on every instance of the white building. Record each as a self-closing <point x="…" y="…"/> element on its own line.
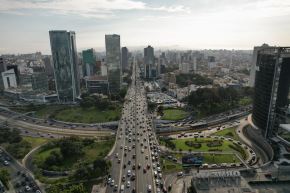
<point x="187" y="67"/>
<point x="104" y="69"/>
<point x="9" y="79"/>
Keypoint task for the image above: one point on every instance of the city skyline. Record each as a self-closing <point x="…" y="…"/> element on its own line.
<point x="194" y="25"/>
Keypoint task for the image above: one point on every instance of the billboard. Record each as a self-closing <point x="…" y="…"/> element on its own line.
<point x="192" y="160"/>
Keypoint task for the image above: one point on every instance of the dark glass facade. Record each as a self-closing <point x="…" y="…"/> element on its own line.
<point x="271" y="88"/>
<point x="149" y="62"/>
<point x="89" y="62"/>
<point x="124" y="58"/>
<point x="66" y="72"/>
<point x="113" y="60"/>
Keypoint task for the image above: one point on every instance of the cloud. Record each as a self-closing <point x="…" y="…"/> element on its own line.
<point x="85" y="8"/>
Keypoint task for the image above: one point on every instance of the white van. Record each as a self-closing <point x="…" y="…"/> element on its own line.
<point x="122" y="188"/>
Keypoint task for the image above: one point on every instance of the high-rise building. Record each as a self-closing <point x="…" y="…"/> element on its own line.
<point x="254" y="62"/>
<point x="89" y="62"/>
<point x="211" y="62"/>
<point x="2" y="69"/>
<point x="9" y="79"/>
<point x="125" y="58"/>
<point x="149" y="62"/>
<point x="16" y="71"/>
<point x="113" y="60"/>
<point x="2" y="66"/>
<point x="64" y="55"/>
<point x="48" y="66"/>
<point x="272" y="83"/>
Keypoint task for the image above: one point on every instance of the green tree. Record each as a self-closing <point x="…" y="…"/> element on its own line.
<point x="87" y="102"/>
<point x="4" y="177"/>
<point x="55" y="158"/>
<point x="101" y="165"/>
<point x="71" y="146"/>
<point x="75" y="188"/>
<point x="123" y="93"/>
<point x="160" y="110"/>
<point x="151" y="106"/>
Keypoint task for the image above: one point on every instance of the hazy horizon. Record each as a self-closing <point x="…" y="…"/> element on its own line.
<point x="196" y="24"/>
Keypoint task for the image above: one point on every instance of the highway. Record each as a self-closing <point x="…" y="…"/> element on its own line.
<point x="21" y="179"/>
<point x="132" y="160"/>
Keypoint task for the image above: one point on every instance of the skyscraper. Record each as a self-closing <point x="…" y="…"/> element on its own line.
<point x="149" y="62"/>
<point x="113" y="60"/>
<point x="89" y="62"/>
<point x="254" y="62"/>
<point x="64" y="55"/>
<point x="2" y="66"/>
<point x="272" y="83"/>
<point x="124" y="58"/>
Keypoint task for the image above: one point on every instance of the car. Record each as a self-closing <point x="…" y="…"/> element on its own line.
<point x="27" y="188"/>
<point x="144" y="170"/>
<point x="128" y="184"/>
<point x="139" y="166"/>
<point x="123" y="178"/>
<point x="149" y="188"/>
<point x="112" y="183"/>
<point x="157" y="182"/>
<point x="179" y="174"/>
<point x="116" y="187"/>
<point x="133" y="177"/>
<point x="6" y="163"/>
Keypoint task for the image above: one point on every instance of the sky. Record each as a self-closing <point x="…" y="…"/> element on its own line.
<point x="173" y="24"/>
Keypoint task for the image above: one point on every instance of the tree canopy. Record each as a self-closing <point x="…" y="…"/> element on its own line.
<point x="184" y="80"/>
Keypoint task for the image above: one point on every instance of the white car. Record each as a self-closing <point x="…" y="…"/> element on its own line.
<point x="149" y="188"/>
<point x="128" y="184"/>
<point x="27" y="188"/>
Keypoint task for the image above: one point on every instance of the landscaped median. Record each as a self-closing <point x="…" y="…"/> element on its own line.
<point x="17" y="145"/>
<point x="174" y="114"/>
<point x="213" y="150"/>
<point x="228" y="132"/>
<point x="92" y="110"/>
<point x="79" y="159"/>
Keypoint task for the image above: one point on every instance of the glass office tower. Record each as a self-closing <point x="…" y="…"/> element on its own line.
<point x="66" y="74"/>
<point x="272" y="83"/>
<point x="124" y="58"/>
<point x="113" y="60"/>
<point x="89" y="62"/>
<point x="149" y="61"/>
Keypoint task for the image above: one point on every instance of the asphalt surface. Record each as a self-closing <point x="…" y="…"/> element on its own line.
<point x="21" y="179"/>
<point x="133" y="153"/>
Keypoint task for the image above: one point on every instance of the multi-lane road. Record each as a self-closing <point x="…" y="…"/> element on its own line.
<point x="135" y="166"/>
